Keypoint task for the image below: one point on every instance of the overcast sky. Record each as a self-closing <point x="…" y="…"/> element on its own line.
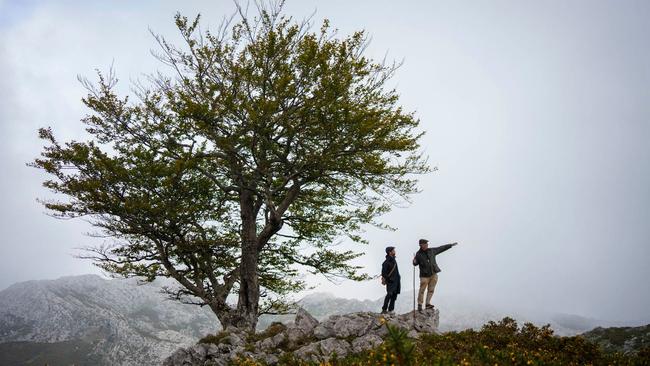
<point x="537" y="114"/>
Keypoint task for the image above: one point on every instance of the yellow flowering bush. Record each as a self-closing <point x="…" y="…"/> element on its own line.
<point x="497" y="343"/>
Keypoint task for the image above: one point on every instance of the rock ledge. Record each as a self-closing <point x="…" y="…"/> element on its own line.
<point x="307" y="338"/>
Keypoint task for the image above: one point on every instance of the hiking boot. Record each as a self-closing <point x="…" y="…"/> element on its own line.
<point x="420" y="307"/>
<point x="429" y="306"/>
<point x="383" y="312"/>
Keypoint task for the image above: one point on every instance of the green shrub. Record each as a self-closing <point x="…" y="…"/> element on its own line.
<point x="274" y="329"/>
<point x="214" y="338"/>
<point x="398" y="341"/>
<point x="497" y="343"/>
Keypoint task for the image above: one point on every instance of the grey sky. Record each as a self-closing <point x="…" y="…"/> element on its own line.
<point x="536" y="113"/>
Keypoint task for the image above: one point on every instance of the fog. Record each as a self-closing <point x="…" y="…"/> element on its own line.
<point x="536" y="115"/>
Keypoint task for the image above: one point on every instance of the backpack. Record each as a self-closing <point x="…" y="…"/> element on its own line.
<point x="383" y="280"/>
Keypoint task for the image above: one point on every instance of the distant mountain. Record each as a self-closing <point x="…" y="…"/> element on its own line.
<point x="621" y="339"/>
<point x="87" y="320"/>
<point x="93" y="321"/>
<point x="456" y="312"/>
<point x="325" y="304"/>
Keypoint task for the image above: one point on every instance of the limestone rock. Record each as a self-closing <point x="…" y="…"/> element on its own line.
<point x="239" y="352"/>
<point x="295" y="334"/>
<point x="366" y="342"/>
<point x="322" y="331"/>
<point x="271" y="342"/>
<point x="332" y="345"/>
<point x="365" y="329"/>
<point x="190" y="356"/>
<point x="234" y="339"/>
<point x="323" y="350"/>
<point x="426" y="321"/>
<point x="305" y="322"/>
<point x="308" y="352"/>
<point x="269" y="359"/>
<point x="343" y="326"/>
<point x="412" y="333"/>
<point x="278" y="339"/>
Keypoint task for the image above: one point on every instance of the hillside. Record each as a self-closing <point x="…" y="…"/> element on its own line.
<point x="620" y="339"/>
<point x="93" y="321"/>
<point x="87" y="319"/>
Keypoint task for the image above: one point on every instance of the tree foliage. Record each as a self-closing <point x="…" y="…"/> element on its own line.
<point x="266" y="144"/>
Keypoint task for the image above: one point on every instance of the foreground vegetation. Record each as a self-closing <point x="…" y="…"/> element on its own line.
<point x="502" y="343"/>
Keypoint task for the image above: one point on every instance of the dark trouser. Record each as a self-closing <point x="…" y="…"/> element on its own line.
<point x="389" y="301"/>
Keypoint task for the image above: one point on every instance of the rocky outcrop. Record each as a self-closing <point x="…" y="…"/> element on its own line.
<point x="306" y="339"/>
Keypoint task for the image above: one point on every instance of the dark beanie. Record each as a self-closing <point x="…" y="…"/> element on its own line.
<point x="389" y="249"/>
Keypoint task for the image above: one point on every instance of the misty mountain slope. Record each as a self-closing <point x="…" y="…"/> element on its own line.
<point x="121" y="323"/>
<point x="621" y="339"/>
<point x="76" y="352"/>
<point x="118" y="321"/>
<point x="456" y="312"/>
<point x="87" y="320"/>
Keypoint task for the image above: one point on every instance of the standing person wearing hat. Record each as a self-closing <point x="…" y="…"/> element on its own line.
<point x="426" y="259"/>
<point x="390" y="277"/>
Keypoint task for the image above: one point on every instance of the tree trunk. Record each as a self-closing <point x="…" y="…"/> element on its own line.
<point x="223" y="313"/>
<point x="249" y="287"/>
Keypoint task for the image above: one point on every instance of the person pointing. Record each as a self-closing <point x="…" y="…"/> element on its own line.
<point x="425" y="258"/>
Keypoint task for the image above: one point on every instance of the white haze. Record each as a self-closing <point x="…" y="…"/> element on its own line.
<point x="536" y="114"/>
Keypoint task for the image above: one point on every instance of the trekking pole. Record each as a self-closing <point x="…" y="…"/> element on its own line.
<point x="413" y="295"/>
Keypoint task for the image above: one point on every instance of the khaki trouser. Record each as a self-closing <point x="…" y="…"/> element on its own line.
<point x="429" y="284"/>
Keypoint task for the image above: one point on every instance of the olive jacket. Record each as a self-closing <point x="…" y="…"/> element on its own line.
<point x="426" y="259"/>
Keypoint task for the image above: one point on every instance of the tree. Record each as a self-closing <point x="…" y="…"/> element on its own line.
<point x="268" y="143"/>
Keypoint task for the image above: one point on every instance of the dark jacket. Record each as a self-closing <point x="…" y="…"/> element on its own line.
<point x="426" y="259"/>
<point x="392" y="280"/>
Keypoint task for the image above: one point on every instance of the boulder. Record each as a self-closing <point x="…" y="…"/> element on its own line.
<point x="223" y="348"/>
<point x="302" y="328"/>
<point x="269" y="359"/>
<point x="349" y="325"/>
<point x="295" y="335"/>
<point x="238" y="352"/>
<point x="234" y="339"/>
<point x="305" y="322"/>
<point x="197" y="352"/>
<point x="426" y="321"/>
<point x="323" y="350"/>
<point x="369" y="341"/>
<point x="271" y="342"/>
<point x="332" y="345"/>
<point x="194" y="355"/>
<point x="308" y="352"/>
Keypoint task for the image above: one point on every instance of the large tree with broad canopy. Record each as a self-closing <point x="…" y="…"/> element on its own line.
<point x="267" y="144"/>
